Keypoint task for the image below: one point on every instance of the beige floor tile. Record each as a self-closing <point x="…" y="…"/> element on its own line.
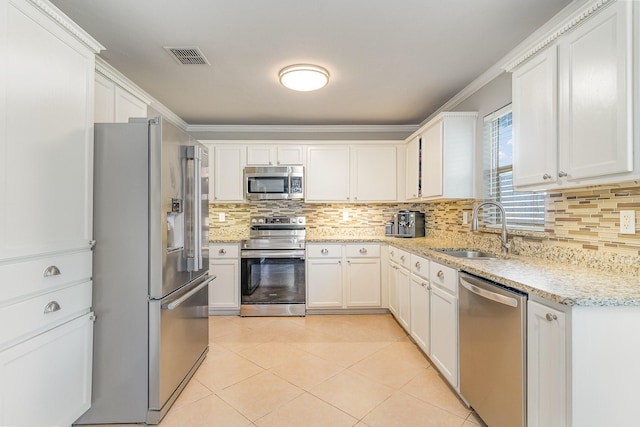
<point x="307" y="371"/>
<point x="352" y="393"/>
<point x="309" y="411"/>
<point x="403" y="410"/>
<point x="272" y="354"/>
<point x="219" y="326"/>
<point x="394" y="365"/>
<point x="430" y="387"/>
<point x="343" y="353"/>
<point x="475" y="420"/>
<point x="378" y="327"/>
<point x="238" y="340"/>
<point x="216" y="373"/>
<point x="260" y="395"/>
<point x="205" y="412"/>
<point x="193" y="392"/>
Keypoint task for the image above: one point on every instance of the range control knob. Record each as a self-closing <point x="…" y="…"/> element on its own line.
<point x="261" y="221"/>
<point x="253" y="220"/>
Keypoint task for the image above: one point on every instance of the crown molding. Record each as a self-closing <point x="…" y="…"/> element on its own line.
<point x="303" y="128"/>
<point x="71" y="27"/>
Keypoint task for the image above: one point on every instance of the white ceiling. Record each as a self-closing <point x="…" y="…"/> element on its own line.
<point x="391" y="62"/>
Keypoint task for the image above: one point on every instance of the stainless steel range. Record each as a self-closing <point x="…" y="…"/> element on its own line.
<point x="272" y="272"/>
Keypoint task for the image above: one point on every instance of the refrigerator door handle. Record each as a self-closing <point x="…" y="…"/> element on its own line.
<point x="194" y="256"/>
<point x="175" y="303"/>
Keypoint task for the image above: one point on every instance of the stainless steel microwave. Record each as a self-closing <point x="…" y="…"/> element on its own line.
<point x="274" y="183"/>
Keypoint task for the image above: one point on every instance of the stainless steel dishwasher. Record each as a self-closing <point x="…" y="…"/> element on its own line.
<point x="493" y="351"/>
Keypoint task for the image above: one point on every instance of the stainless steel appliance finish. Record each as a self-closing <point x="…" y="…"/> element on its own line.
<point x="406" y="224"/>
<point x="272" y="267"/>
<point x="150" y="269"/>
<point x="493" y="351"/>
<point x="274" y="182"/>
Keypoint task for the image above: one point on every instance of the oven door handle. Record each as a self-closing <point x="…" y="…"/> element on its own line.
<point x="272" y="254"/>
<point x="175" y="303"/>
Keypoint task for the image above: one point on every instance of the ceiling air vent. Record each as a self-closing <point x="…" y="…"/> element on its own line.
<point x="188" y="55"/>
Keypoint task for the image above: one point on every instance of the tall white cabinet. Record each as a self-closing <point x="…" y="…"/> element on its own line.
<point x="46" y="158"/>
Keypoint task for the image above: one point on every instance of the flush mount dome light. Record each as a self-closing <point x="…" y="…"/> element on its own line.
<point x="304" y="77"/>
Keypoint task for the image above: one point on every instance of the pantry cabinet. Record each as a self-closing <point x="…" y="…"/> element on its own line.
<point x="572" y="106"/>
<point x="275" y="155"/>
<point x="224" y="291"/>
<point x="546" y="366"/>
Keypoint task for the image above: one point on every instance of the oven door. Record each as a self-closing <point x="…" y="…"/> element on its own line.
<point x="273" y="277"/>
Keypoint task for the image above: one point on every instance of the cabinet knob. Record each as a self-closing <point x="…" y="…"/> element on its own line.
<point x="392" y="253"/>
<point x="551" y="316"/>
<point x="53" y="306"/>
<point x="418" y="265"/>
<point x="339" y="262"/>
<point x="324" y="251"/>
<point x="363" y="250"/>
<point x="440" y="274"/>
<point x="424" y="285"/>
<point x="222" y="251"/>
<point x="52" y="270"/>
<point x="402" y="258"/>
<point x="348" y="262"/>
<point x="546" y="176"/>
<point x="562" y="174"/>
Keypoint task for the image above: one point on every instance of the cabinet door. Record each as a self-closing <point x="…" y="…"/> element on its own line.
<point x="444" y="334"/>
<point x="227" y="174"/>
<point x="404" y="299"/>
<point x="420" y="321"/>
<point x="327" y="174"/>
<point x="47" y="379"/>
<point x="374" y="174"/>
<point x="224" y="291"/>
<point x="104" y="94"/>
<point x="393" y="288"/>
<point x="290" y="155"/>
<point x="46" y="137"/>
<point x="596" y="96"/>
<point x="324" y="283"/>
<point x="534" y="109"/>
<point x="413" y="169"/>
<point x="261" y="155"/>
<point x="127" y="105"/>
<point x="363" y="282"/>
<point x="546" y="366"/>
<point x="432" y="161"/>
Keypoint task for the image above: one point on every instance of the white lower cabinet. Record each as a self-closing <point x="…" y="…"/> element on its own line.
<point x="224" y="291"/>
<point x="46" y="380"/>
<point x="546" y="366"/>
<point x="392" y="284"/>
<point x="420" y="312"/>
<point x="343" y="276"/>
<point x="404" y="298"/>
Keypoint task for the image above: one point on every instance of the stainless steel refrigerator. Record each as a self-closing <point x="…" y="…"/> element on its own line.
<point x="150" y="269"/>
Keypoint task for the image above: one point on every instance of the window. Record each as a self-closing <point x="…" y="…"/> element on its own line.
<point x="524" y="209"/>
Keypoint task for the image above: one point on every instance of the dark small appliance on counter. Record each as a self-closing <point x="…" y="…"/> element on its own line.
<point x="406" y="224"/>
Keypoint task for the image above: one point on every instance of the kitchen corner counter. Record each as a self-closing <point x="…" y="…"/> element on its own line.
<point x="566" y="284"/>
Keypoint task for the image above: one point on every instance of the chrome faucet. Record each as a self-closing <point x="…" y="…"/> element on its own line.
<point x="474" y="223"/>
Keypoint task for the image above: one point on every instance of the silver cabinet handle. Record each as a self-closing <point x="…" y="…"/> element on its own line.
<point x="418" y="265"/>
<point x="402" y="258"/>
<point x="348" y="261"/>
<point x="363" y="250"/>
<point x="562" y="174"/>
<point x="324" y="251"/>
<point x="550" y="317"/>
<point x="440" y="274"/>
<point x="339" y="262"/>
<point x="52" y="307"/>
<point x="546" y="176"/>
<point x="392" y="253"/>
<point x="222" y="251"/>
<point x="52" y="270"/>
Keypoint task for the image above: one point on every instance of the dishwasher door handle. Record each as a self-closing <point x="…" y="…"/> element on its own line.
<point x="512" y="302"/>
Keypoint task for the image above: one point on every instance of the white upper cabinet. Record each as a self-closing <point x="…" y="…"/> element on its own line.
<point x="275" y="155"/>
<point x="226" y="169"/>
<point x="327" y="174"/>
<point x="413" y="169"/>
<point x="374" y="173"/>
<point x="447" y="166"/>
<point x="113" y="103"/>
<point x="572" y="106"/>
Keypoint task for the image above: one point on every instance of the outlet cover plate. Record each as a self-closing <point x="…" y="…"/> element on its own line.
<point x="627" y="222"/>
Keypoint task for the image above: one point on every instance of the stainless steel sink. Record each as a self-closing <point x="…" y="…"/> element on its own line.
<point x="467" y="253"/>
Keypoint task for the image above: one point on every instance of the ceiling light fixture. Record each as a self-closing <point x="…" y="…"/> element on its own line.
<point x="304" y="77"/>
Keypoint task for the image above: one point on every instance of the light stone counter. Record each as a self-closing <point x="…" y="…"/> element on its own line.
<point x="559" y="282"/>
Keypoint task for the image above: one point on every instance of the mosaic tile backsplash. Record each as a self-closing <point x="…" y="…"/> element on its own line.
<point x="581" y="225"/>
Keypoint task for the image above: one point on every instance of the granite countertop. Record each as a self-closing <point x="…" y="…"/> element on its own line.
<point x="567" y="284"/>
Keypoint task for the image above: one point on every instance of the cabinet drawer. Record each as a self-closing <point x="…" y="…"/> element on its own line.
<point x="404" y="259"/>
<point x="23" y="279"/>
<point x="367" y="250"/>
<point x="420" y="266"/>
<point x="44" y="311"/>
<point x="324" y="251"/>
<point x="223" y="251"/>
<point x="444" y="277"/>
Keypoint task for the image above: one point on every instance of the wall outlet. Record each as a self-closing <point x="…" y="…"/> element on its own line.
<point x="345" y="216"/>
<point x="465" y="217"/>
<point x="222" y="217"/>
<point x="627" y="222"/>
